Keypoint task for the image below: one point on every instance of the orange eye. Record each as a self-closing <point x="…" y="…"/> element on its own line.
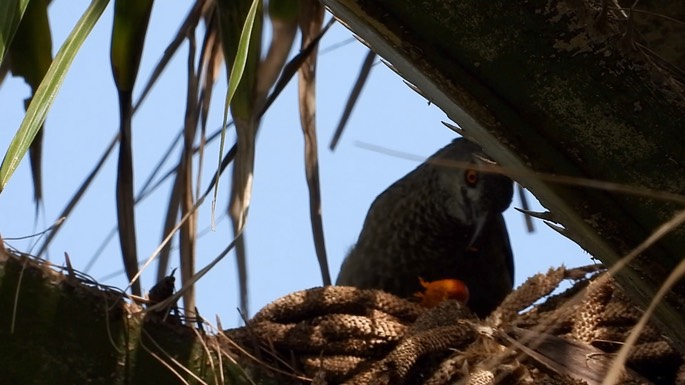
<point x="471" y="177"/>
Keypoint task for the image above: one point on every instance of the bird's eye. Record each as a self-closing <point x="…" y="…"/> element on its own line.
<point x="471" y="177"/>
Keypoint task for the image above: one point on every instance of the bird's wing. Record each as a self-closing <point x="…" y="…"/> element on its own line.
<point x="502" y="228"/>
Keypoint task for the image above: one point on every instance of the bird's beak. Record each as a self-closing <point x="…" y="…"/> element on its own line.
<point x="480" y="224"/>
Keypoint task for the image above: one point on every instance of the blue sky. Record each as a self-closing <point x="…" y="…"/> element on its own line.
<point x="281" y="255"/>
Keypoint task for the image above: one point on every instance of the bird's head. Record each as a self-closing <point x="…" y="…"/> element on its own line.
<point x="474" y="193"/>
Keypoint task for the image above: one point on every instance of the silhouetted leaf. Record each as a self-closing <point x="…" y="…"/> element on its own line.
<point x="311" y="20"/>
<point x="128" y="37"/>
<point x="30" y="57"/>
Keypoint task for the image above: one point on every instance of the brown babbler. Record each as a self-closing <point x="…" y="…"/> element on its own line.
<point x="441" y="221"/>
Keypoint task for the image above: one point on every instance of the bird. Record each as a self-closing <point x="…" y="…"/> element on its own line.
<point x="443" y="220"/>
